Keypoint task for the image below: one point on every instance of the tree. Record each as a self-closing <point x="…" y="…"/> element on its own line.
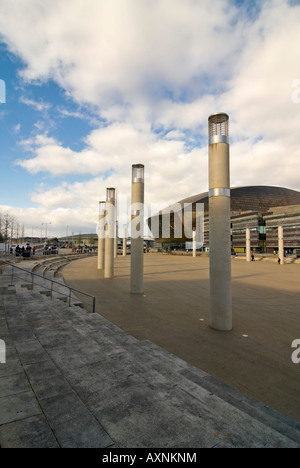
<point x="91" y="240"/>
<point x="7" y="225"/>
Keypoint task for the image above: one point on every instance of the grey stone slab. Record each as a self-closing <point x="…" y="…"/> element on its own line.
<point x="13" y="384"/>
<point x="41" y="371"/>
<point x="3" y="326"/>
<point x="107" y="371"/>
<point x="20" y="334"/>
<point x="165" y="416"/>
<point x="71" y="356"/>
<point x="42" y="322"/>
<point x="165" y="357"/>
<point x="231" y="424"/>
<point x="31" y="352"/>
<point x="19" y="406"/>
<point x="99" y="383"/>
<point x="63" y="408"/>
<point x="82" y="432"/>
<point x="279" y="422"/>
<point x="145" y="416"/>
<point x="13" y="364"/>
<point x="57" y="336"/>
<point x="50" y="387"/>
<point x="10" y="368"/>
<point x="31" y="432"/>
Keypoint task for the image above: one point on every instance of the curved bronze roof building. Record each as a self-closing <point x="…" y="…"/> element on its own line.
<point x="258" y="200"/>
<point x="254" y="198"/>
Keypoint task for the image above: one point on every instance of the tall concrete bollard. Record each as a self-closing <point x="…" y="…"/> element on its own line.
<point x="137" y="230"/>
<point x="116" y="240"/>
<point x="116" y="226"/>
<point x="280" y="245"/>
<point x="124" y="242"/>
<point x="219" y="223"/>
<point x="194" y="244"/>
<point x="101" y="235"/>
<point x="109" y="233"/>
<point x="248" y="245"/>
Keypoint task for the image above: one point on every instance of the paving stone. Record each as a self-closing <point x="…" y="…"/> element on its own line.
<point x="41" y="370"/>
<point x="63" y="408"/>
<point x="18" y="406"/>
<point x="31" y="432"/>
<point x="13" y="384"/>
<point x="31" y="352"/>
<point x="82" y="432"/>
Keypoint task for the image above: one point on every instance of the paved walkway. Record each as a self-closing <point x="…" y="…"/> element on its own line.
<point x="174" y="314"/>
<point x="74" y="379"/>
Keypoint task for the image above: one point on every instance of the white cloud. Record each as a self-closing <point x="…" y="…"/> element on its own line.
<point x="106" y="52"/>
<point x="40" y="106"/>
<point x="155" y="70"/>
<point x="17" y="128"/>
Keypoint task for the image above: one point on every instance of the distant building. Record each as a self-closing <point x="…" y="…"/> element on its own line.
<point x="260" y="208"/>
<point x="77" y="240"/>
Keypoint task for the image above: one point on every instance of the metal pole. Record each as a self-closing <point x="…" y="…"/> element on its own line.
<point x="219" y="223"/>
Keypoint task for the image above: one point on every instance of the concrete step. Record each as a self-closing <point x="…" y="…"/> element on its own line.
<point x="191" y="379"/>
<point x="95" y="329"/>
<point x="117" y="390"/>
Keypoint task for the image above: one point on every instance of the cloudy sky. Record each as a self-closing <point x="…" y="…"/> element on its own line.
<point x="91" y="87"/>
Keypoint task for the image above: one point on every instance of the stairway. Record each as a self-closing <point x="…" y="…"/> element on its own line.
<point x="73" y="379"/>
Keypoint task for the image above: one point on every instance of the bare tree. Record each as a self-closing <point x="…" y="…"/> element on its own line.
<point x="7" y="225"/>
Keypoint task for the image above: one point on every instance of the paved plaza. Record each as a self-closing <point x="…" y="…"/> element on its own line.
<point x="255" y="357"/>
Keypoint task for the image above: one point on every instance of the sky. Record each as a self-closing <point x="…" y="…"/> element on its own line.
<point x="90" y="87"/>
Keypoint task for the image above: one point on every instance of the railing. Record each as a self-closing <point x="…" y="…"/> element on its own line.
<point x="53" y="282"/>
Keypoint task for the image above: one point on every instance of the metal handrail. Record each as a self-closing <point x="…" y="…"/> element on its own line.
<point x="52" y="282"/>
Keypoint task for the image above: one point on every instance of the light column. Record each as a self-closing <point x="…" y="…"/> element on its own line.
<point x="124" y="242"/>
<point x="137" y="230"/>
<point x="101" y="235"/>
<point x="194" y="244"/>
<point x="109" y="233"/>
<point x="280" y="245"/>
<point x="219" y="223"/>
<point x="248" y="245"/>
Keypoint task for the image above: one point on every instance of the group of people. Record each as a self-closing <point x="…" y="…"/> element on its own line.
<point x="24" y="251"/>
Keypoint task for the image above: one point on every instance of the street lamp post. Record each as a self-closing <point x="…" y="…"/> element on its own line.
<point x="219" y="223"/>
<point x="110" y="233"/>
<point x="101" y="234"/>
<point x="137" y="230"/>
<point x="46" y="224"/>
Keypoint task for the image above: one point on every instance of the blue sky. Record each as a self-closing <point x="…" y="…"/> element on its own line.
<point x="92" y="88"/>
